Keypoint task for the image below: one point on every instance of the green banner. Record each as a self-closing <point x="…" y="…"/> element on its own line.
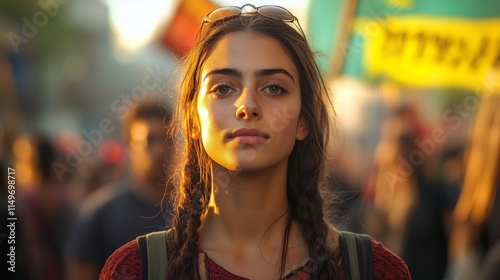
<point x="421" y="43"/>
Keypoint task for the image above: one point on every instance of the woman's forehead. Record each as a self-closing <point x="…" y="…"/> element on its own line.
<point x="249" y="51"/>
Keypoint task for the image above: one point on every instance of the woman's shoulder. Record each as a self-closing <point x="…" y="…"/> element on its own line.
<point x="124" y="263"/>
<point x="386" y="264"/>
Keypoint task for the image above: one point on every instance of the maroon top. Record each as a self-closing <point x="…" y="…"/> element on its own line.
<point x="125" y="263"/>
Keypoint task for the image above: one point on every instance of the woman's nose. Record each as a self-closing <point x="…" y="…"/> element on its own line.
<point x="248" y="106"/>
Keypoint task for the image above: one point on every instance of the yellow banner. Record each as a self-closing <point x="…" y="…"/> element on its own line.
<point x="433" y="52"/>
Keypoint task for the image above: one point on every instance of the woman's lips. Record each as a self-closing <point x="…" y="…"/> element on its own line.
<point x="248" y="136"/>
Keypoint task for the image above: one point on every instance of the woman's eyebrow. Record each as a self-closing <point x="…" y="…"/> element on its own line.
<point x="272" y="71"/>
<point x="224" y="71"/>
<point x="258" y="73"/>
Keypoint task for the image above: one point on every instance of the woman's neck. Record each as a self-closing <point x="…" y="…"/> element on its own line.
<point x="243" y="231"/>
<point x="248" y="208"/>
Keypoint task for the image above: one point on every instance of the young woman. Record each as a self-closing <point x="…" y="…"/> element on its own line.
<point x="254" y="114"/>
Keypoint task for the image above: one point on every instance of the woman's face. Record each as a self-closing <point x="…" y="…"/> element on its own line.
<point x="249" y="103"/>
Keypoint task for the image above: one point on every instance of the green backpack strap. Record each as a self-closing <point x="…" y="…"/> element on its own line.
<point x="153" y="252"/>
<point x="357" y="255"/>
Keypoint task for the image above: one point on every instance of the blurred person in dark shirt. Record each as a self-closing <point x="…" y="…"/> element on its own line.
<point x="410" y="207"/>
<point x="120" y="211"/>
<point x="46" y="213"/>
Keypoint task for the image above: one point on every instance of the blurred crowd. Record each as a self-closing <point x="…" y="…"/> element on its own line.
<point x="68" y="224"/>
<point x="429" y="192"/>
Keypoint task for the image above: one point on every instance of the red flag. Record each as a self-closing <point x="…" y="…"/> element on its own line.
<point x="180" y="35"/>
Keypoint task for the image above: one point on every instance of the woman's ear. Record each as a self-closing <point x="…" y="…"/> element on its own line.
<point x="302" y="131"/>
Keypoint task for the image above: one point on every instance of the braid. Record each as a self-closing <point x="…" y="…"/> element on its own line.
<point x="303" y="192"/>
<point x="183" y="238"/>
<point x="193" y="191"/>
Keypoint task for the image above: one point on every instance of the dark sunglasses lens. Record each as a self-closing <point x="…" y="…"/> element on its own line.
<point x="275" y="13"/>
<point x="222" y="13"/>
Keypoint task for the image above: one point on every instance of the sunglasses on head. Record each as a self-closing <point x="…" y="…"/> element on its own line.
<point x="269" y="11"/>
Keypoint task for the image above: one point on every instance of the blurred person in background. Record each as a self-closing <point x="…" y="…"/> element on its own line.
<point x="46" y="214"/>
<point x="411" y="209"/>
<point x="120" y="211"/>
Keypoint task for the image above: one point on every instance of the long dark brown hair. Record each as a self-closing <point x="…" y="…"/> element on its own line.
<point x="305" y="164"/>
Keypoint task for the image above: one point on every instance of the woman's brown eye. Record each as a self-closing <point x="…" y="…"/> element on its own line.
<point x="223" y="89"/>
<point x="274" y="89"/>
